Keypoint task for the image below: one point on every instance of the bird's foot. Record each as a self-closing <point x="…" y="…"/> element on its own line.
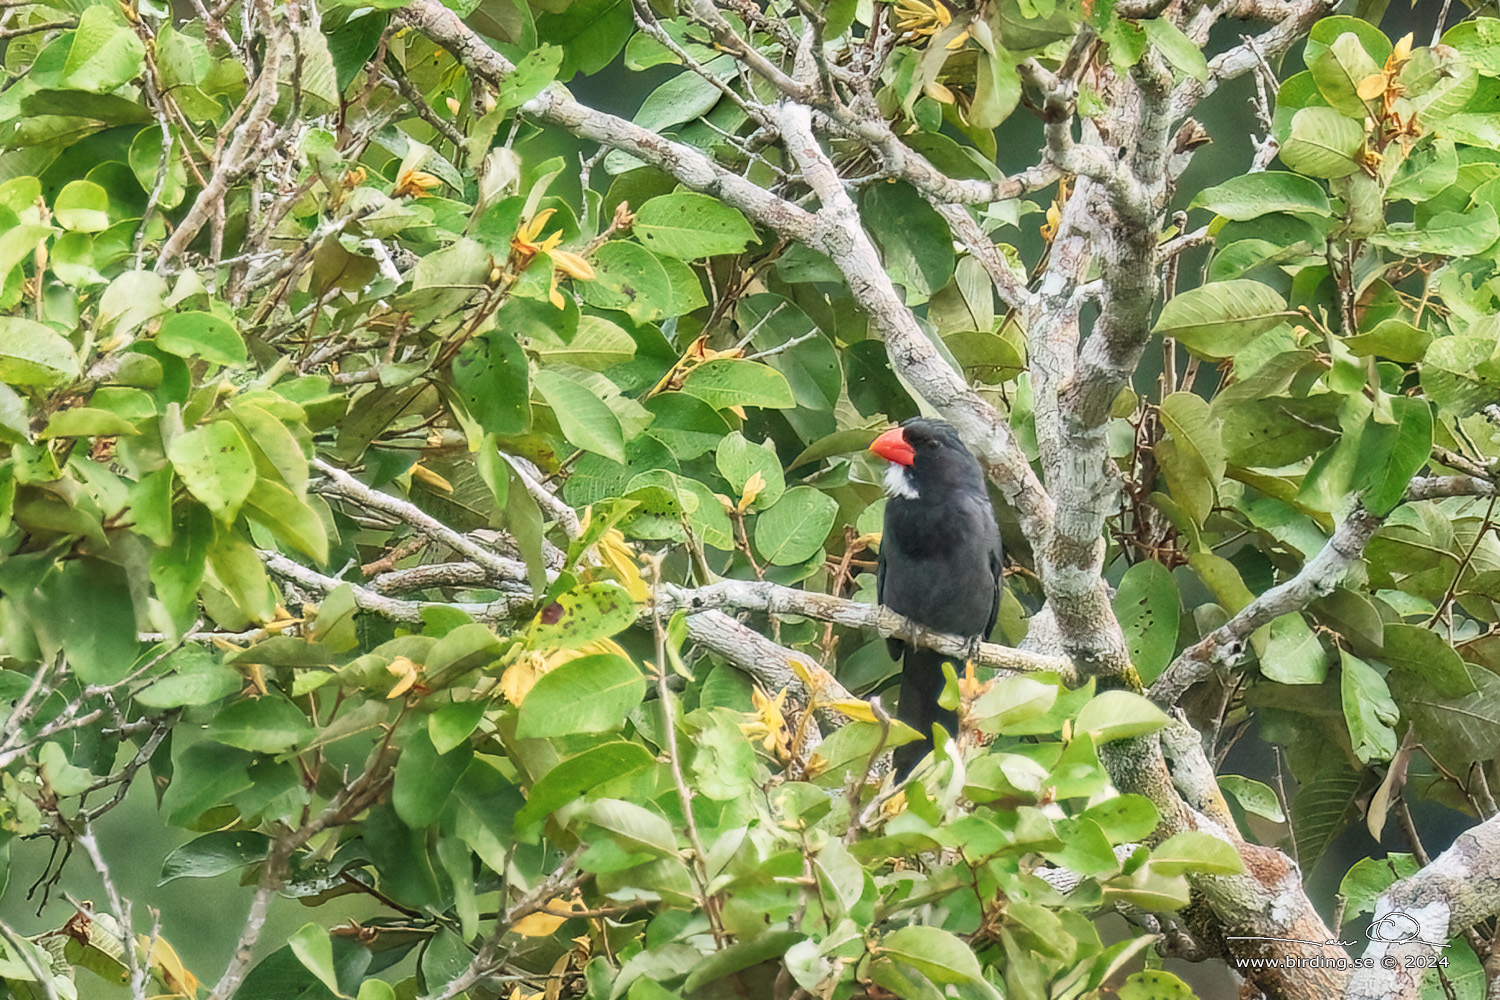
<point x="971" y="648"/>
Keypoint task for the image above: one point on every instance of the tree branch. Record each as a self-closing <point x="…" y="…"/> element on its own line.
<point x="555" y="105"/>
<point x="842" y="237"/>
<point x="245" y="152"/>
<point x="1225" y="645"/>
<point x="1419" y="915"/>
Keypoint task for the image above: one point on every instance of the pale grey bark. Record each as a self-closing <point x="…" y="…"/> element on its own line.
<point x="1416" y="917"/>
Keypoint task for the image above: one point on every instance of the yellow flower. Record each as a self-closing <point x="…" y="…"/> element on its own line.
<point x="697" y="353"/>
<point x="407" y="673"/>
<point x="414" y="184"/>
<point x="920" y="18"/>
<point x="528" y="243"/>
<point x="521" y="676"/>
<point x="572" y="265"/>
<point x="917" y="20"/>
<point x="767" y="723"/>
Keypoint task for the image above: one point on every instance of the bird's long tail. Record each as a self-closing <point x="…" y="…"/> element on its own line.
<point x="921" y="683"/>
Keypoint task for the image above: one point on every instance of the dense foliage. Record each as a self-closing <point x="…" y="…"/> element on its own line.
<point x="374" y="446"/>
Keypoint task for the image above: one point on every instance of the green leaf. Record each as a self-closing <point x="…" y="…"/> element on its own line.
<point x="454" y="723"/>
<point x="469" y="646"/>
<point x="60" y="777"/>
<point x="688" y="225"/>
<point x="493" y="379"/>
<point x="1323" y="143"/>
<point x="35" y="356"/>
<point x="738" y="460"/>
<point x="915" y="243"/>
<point x="1330" y="29"/>
<point x="86" y="421"/>
<point x="375" y="989"/>
<point x="105" y="54"/>
<point x="650" y="989"/>
<point x="1454" y="730"/>
<point x="1085" y="850"/>
<point x="1427" y="169"/>
<point x="1438" y="82"/>
<point x="1452" y="375"/>
<point x="1392" y="338"/>
<point x="586" y="420"/>
<point x="1124" y="818"/>
<point x="1450" y="234"/>
<point x="130" y="300"/>
<point x="203" y="775"/>
<point x="1428" y="658"/>
<point x="590" y="33"/>
<point x="425" y="778"/>
<point x="85" y="608"/>
<point x="591" y="694"/>
<point x="15" y="426"/>
<point x="1012" y="701"/>
<point x="597" y="345"/>
<point x="196" y="678"/>
<point x="1185" y="55"/>
<point x="1196" y="853"/>
<point x="1273" y="431"/>
<point x="177" y="567"/>
<point x="726" y="382"/>
<point x="1368" y="878"/>
<point x="1148" y="608"/>
<point x="1118" y="715"/>
<point x="685" y="424"/>
<point x="1338" y="71"/>
<point x="1289" y="651"/>
<point x="997" y="88"/>
<point x="794" y="528"/>
<point x="811" y="365"/>
<point x="592" y="611"/>
<point x="741" y="956"/>
<point x="83" y="207"/>
<point x="723" y="764"/>
<point x="1369" y="711"/>
<point x="1156" y="984"/>
<point x="1404" y="454"/>
<point x="1192" y="455"/>
<point x="272" y="440"/>
<point x="581" y="775"/>
<point x="289" y="517"/>
<point x="935" y="953"/>
<point x="263" y="725"/>
<point x="627" y="277"/>
<point x="18" y="240"/>
<point x="1254" y="797"/>
<point x="215" y="464"/>
<point x="1327" y="798"/>
<point x="1218" y="320"/>
<point x="214" y="854"/>
<point x="314" y="949"/>
<point x="201" y="335"/>
<point x="1250" y="196"/>
<point x="184" y="60"/>
<point x="632" y="826"/>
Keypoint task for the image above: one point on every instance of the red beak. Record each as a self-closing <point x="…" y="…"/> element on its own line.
<point x="892" y="447"/>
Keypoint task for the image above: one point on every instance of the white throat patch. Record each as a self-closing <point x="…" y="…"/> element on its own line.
<point x="898" y="482"/>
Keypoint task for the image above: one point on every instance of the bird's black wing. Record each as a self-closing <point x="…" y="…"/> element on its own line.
<point x="893" y="646"/>
<point x="997" y="562"/>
